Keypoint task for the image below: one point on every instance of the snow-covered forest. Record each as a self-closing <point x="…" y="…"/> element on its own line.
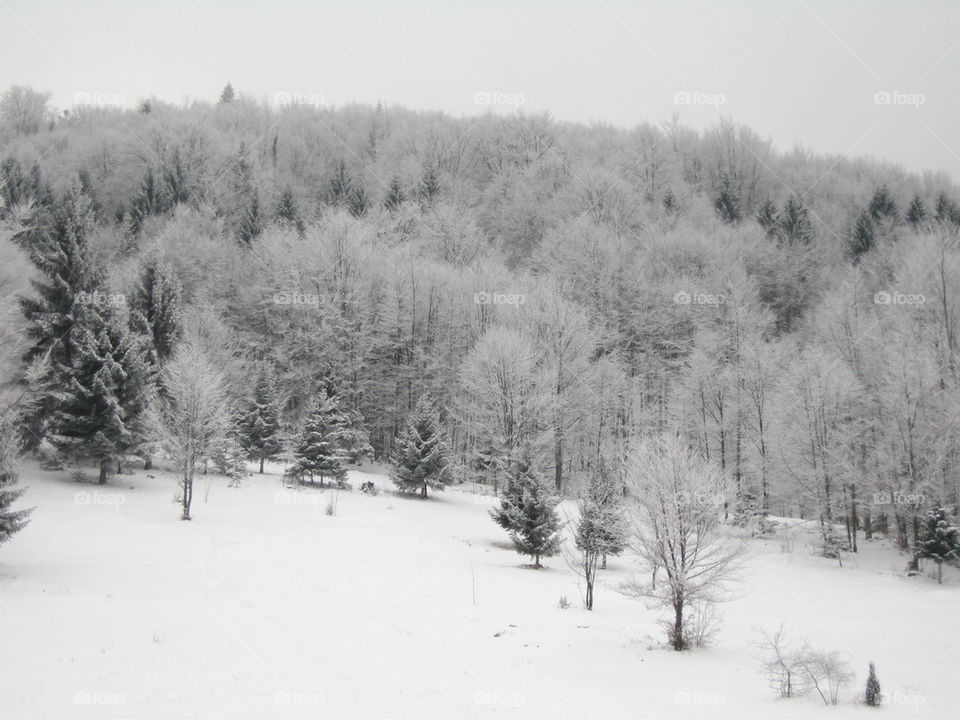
<point x="482" y="416"/>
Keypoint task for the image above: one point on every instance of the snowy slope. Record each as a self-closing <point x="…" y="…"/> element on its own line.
<point x="266" y="607"/>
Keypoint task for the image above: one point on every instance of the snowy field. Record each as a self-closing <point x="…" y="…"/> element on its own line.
<point x="265" y="606"/>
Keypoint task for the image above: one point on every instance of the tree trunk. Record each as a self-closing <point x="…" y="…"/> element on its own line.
<point x="589" y="595"/>
<point x="104" y="469"/>
<point x="423" y="491"/>
<point x="558" y="460"/>
<point x="603" y="561"/>
<point x="261" y="465"/>
<point x="147" y="463"/>
<point x="678" y="625"/>
<point x="939" y="572"/>
<point x="187" y="497"/>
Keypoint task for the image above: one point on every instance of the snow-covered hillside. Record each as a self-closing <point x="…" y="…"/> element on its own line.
<point x="265" y="606"/>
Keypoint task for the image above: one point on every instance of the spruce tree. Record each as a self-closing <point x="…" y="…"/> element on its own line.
<point x="864" y="236"/>
<point x="321" y="446"/>
<point x="287" y="214"/>
<point x="941" y="539"/>
<point x="395" y="195"/>
<point x="429" y="188"/>
<point x="11" y="521"/>
<point x="356" y="441"/>
<point x="916" y="212"/>
<point x="227" y="95"/>
<point x="339" y="186"/>
<point x="259" y="425"/>
<point x="251" y="221"/>
<point x="58" y="245"/>
<point x="528" y="512"/>
<point x="795" y="225"/>
<point x="421" y="458"/>
<point x="872" y="692"/>
<point x="727" y="204"/>
<point x="101" y="409"/>
<point x="155" y="308"/>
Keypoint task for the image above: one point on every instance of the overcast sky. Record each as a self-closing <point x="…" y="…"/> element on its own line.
<point x="797" y="71"/>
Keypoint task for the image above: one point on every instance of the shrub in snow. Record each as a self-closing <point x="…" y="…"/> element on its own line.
<point x="798" y="670"/>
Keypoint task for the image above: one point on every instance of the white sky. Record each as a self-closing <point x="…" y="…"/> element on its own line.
<point x="798" y="71"/>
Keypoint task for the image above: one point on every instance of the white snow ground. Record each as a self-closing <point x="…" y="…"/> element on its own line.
<point x="266" y="607"/>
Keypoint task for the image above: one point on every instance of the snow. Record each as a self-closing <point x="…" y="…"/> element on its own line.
<point x="264" y="606"/>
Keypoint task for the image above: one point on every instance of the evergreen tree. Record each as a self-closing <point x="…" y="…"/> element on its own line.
<point x="358" y="202"/>
<point x="864" y="236"/>
<point x="917" y="212"/>
<point x="872" y="693"/>
<point x="947" y="210"/>
<point x="882" y="205"/>
<point x="251" y="222"/>
<point x="227" y="95"/>
<point x="101" y="409"/>
<point x="340" y="186"/>
<point x="148" y="201"/>
<point x="421" y="458"/>
<point x="287" y="214"/>
<point x="155" y="308"/>
<point x="429" y="188"/>
<point x="727" y="204"/>
<point x="769" y="217"/>
<point x="941" y="539"/>
<point x="321" y="447"/>
<point x="601" y="529"/>
<point x="528" y="512"/>
<point x="58" y="248"/>
<point x="395" y="195"/>
<point x="795" y="225"/>
<point x="11" y="521"/>
<point x="259" y="425"/>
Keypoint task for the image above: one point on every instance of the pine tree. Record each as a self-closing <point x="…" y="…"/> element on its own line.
<point x="287" y="214"/>
<point x="320" y="451"/>
<point x="395" y="195"/>
<point x="339" y="186"/>
<point x="916" y="212"/>
<point x="58" y="247"/>
<point x="727" y="204"/>
<point x="795" y="224"/>
<point x="882" y="205"/>
<point x="149" y="201"/>
<point x="528" y="512"/>
<point x="358" y="202"/>
<point x="769" y="217"/>
<point x="941" y="539"/>
<point x="429" y="188"/>
<point x="101" y="409"/>
<point x="11" y="521"/>
<point x="259" y="425"/>
<point x="872" y="692"/>
<point x="421" y="458"/>
<point x="155" y="307"/>
<point x="251" y="222"/>
<point x="227" y="95"/>
<point x="864" y="236"/>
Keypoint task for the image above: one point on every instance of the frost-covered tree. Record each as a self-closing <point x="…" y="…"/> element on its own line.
<point x="677" y="507"/>
<point x="421" y="458"/>
<point x="11" y="521"/>
<point x="601" y="526"/>
<point x="320" y="450"/>
<point x="155" y="308"/>
<point x="940" y="539"/>
<point x="528" y="511"/>
<point x="872" y="694"/>
<point x="192" y="418"/>
<point x="259" y="425"/>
